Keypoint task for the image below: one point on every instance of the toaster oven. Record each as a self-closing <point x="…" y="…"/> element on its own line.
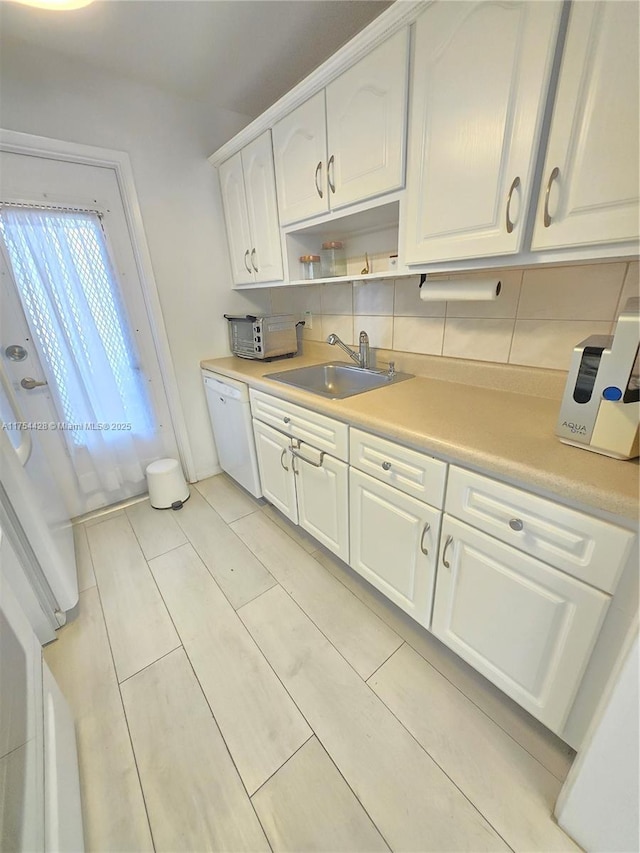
<point x="262" y="337"/>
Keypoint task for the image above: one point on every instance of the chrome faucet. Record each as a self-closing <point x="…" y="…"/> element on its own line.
<point x="362" y="358"/>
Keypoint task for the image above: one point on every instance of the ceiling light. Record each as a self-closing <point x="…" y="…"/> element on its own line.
<point x="56" y="5"/>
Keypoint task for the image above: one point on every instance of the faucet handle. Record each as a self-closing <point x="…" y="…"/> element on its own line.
<point x="392" y="368"/>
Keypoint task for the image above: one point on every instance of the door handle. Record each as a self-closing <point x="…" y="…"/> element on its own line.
<point x="448" y="542"/>
<point x="552" y="177"/>
<point x="331" y="173"/>
<point x="509" y="222"/>
<point x="282" y="455"/>
<point x="318" y="169"/>
<point x="253" y="261"/>
<point x="425" y="530"/>
<point x="29" y="384"/>
<point x="247" y="267"/>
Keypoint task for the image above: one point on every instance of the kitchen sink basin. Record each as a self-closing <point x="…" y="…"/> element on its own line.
<point x="336" y="379"/>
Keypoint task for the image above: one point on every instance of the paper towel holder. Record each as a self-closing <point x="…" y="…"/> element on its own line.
<point x="444" y="282"/>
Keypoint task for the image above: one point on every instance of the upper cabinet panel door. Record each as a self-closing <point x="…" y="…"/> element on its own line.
<point x="589" y="190"/>
<point x="366" y="124"/>
<point x="265" y="257"/>
<point x="236" y="219"/>
<point x="299" y="153"/>
<point x="480" y="80"/>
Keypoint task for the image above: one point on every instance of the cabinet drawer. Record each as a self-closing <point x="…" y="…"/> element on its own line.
<point x="318" y="430"/>
<point x="585" y="547"/>
<point x="414" y="473"/>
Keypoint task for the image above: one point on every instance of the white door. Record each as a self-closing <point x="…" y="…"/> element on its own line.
<point x="526" y="627"/>
<point x="322" y="487"/>
<point x="480" y="80"/>
<point x="589" y="191"/>
<point x="234" y="204"/>
<point x="63" y="185"/>
<point x="276" y="472"/>
<point x="260" y="188"/>
<point x="366" y="124"/>
<point x="394" y="542"/>
<point x="300" y="158"/>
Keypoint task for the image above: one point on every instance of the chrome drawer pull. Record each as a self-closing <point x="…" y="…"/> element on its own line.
<point x="248" y="268"/>
<point x="516" y="524"/>
<point x="509" y="223"/>
<point x="445" y="562"/>
<point x="308" y="461"/>
<point x="425" y="529"/>
<point x="386" y="466"/>
<point x="253" y="260"/>
<point x="282" y="455"/>
<point x="331" y="167"/>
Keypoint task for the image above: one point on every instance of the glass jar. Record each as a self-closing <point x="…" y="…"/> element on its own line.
<point x="309" y="267"/>
<point x="333" y="260"/>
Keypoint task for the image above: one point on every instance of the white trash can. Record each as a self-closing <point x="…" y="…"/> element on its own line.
<point x="167" y="486"/>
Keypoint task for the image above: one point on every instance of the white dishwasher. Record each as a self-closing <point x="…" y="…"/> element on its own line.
<point x="230" y="413"/>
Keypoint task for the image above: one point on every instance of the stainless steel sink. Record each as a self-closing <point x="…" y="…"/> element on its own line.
<point x="336" y="379"/>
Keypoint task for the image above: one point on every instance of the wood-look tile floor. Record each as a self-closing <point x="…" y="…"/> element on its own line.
<point x="236" y="687"/>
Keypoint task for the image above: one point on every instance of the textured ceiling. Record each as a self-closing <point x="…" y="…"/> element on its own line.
<point x="241" y="55"/>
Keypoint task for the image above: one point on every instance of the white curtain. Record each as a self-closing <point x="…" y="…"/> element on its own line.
<point x="75" y="312"/>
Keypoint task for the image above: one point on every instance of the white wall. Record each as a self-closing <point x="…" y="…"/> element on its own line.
<point x="168" y="140"/>
<point x="599" y="804"/>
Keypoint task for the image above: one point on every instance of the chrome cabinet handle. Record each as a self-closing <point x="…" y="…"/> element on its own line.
<point x="318" y="188"/>
<point x="287" y="420"/>
<point x="516" y="524"/>
<point x="514" y="185"/>
<point x="386" y="466"/>
<point x="253" y="263"/>
<point x="282" y="455"/>
<point x="552" y="177"/>
<point x="308" y="461"/>
<point x="425" y="530"/>
<point x="331" y="173"/>
<point x="445" y="562"/>
<point x="29" y="384"/>
<point x="246" y="255"/>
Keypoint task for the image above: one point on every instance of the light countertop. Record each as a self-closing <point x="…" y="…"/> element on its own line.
<point x="496" y="432"/>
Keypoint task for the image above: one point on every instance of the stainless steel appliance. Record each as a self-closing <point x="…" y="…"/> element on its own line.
<point x="600" y="409"/>
<point x="262" y="337"/>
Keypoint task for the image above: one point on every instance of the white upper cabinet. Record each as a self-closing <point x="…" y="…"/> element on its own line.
<point x="351" y="148"/>
<point x="589" y="191"/>
<point x="248" y="190"/>
<point x="479" y="85"/>
<point x="300" y="158"/>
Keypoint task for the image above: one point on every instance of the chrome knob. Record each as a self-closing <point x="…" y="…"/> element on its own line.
<point x="516" y="524"/>
<point x="287" y="420"/>
<point x="386" y="466"/>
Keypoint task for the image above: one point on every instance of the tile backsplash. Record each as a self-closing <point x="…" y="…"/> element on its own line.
<point x="539" y="316"/>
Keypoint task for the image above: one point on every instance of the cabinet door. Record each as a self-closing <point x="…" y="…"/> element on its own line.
<point x="480" y="82"/>
<point x="276" y="474"/>
<point x="366" y="124"/>
<point x="394" y="541"/>
<point x="590" y="180"/>
<point x="322" y="486"/>
<point x="527" y="627"/>
<point x="236" y="218"/>
<point x="260" y="187"/>
<point x="299" y="153"/>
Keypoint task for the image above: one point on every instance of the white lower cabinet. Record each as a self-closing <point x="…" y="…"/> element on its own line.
<point x="322" y="488"/>
<point x="276" y="474"/>
<point x="394" y="542"/>
<point x="526" y="626"/>
<point x="307" y="484"/>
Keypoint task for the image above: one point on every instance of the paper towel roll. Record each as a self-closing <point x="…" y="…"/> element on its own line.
<point x="468" y="290"/>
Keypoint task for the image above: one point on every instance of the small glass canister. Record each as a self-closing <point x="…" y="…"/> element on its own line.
<point x="309" y="267"/>
<point x="332" y="259"/>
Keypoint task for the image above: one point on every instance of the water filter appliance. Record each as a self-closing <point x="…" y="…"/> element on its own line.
<point x="600" y="409"/>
